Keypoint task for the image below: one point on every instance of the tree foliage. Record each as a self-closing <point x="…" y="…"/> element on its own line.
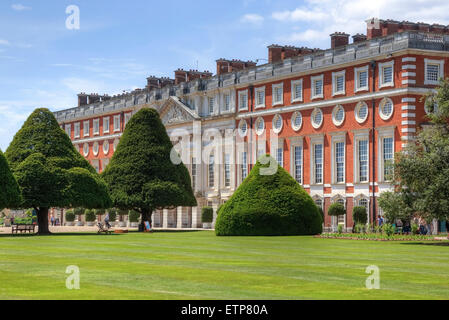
<point x="336" y="209"/>
<point x="50" y="171"/>
<point x="270" y="205"/>
<point x="422" y="171"/>
<point x="9" y="189"/>
<point x="141" y="175"/>
<point x="359" y="215"/>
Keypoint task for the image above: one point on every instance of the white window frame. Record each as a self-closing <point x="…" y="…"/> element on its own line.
<point x="273" y="94"/>
<point x="194" y="174"/>
<point x="315" y="140"/>
<point x="440" y="64"/>
<point x="361" y="135"/>
<point x="381" y="105"/>
<point x="128" y="117"/>
<point x="117" y="118"/>
<point x="77" y="129"/>
<point x="277" y="130"/>
<point x="356" y="111"/>
<point x="357" y="72"/>
<point x="68" y="130"/>
<point x="241" y="124"/>
<point x="86" y="153"/>
<point x="244" y="166"/>
<point x="88" y="128"/>
<point x="334" y="115"/>
<point x="339" y="137"/>
<point x="245" y="94"/>
<point x="258" y="120"/>
<point x="211" y="173"/>
<point x="382" y="66"/>
<point x="106" y="146"/>
<point x="382" y="133"/>
<point x="335" y="75"/>
<point x="106" y="128"/>
<point x="312" y="118"/>
<point x="314" y="79"/>
<point x="210" y="105"/>
<point x="296" y="83"/>
<point x="296" y="142"/>
<point x="225" y="96"/>
<point x="294" y="116"/>
<point x="257" y="91"/>
<point x="96" y="127"/>
<point x="227" y="170"/>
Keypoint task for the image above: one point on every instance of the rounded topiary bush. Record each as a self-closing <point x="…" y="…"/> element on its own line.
<point x="90" y="215"/>
<point x="359" y="215"/>
<point x="133" y="216"/>
<point x="70" y="216"/>
<point x="112" y="214"/>
<point x="269" y="205"/>
<point x="207" y="214"/>
<point x="336" y="209"/>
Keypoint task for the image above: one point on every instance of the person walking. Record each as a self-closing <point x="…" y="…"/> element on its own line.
<point x="106" y="221"/>
<point x="52" y="220"/>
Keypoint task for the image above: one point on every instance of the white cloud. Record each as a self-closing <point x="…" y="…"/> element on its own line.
<point x="252" y="18"/>
<point x="4" y="42"/>
<point x="20" y="7"/>
<point x="323" y="17"/>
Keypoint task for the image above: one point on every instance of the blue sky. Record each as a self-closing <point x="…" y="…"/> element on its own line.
<point x="120" y="43"/>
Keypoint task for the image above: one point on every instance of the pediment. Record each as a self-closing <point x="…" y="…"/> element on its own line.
<point x="173" y="111"/>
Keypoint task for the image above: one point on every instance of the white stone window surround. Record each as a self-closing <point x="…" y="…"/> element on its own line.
<point x="277" y="143"/>
<point x="96" y="127"/>
<point x="275" y="121"/>
<point x="314" y="94"/>
<point x="315" y="140"/>
<point x="127" y="117"/>
<point x="68" y="129"/>
<point x="227" y="100"/>
<point x="295" y="116"/>
<point x="338" y="108"/>
<point x="382" y="103"/>
<point x="440" y="64"/>
<point x="360" y="135"/>
<point x="243" y="100"/>
<point x="275" y="87"/>
<point x="357" y="72"/>
<point x="106" y="147"/>
<point x="86" y="128"/>
<point x="243" y="128"/>
<point x="95" y="148"/>
<point x="210" y="105"/>
<point x="77" y="129"/>
<point x="86" y="149"/>
<point x="259" y="130"/>
<point x="260" y="91"/>
<point x="296" y="142"/>
<point x="382" y="66"/>
<point x="117" y="123"/>
<point x="382" y="133"/>
<point x="337" y="137"/>
<point x="357" y="110"/>
<point x="317" y="125"/>
<point x="294" y="85"/>
<point x="106" y="124"/>
<point x="335" y="76"/>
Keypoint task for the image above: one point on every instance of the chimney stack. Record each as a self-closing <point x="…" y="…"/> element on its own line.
<point x="277" y="53"/>
<point x="358" y="38"/>
<point x="226" y="66"/>
<point x="339" y="39"/>
<point x="82" y="99"/>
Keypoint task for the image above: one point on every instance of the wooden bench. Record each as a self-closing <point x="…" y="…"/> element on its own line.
<point x="23" y="228"/>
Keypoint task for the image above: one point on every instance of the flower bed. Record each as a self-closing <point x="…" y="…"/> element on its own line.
<point x="380" y="237"/>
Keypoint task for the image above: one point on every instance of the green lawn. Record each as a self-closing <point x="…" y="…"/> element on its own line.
<point x="198" y="265"/>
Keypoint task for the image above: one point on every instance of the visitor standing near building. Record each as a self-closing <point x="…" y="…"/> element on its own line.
<point x="52" y="220"/>
<point x="106" y="220"/>
<point x="380" y="221"/>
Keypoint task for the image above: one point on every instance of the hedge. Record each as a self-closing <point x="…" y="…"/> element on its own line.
<point x="90" y="215"/>
<point x="207" y="214"/>
<point x="69" y="216"/>
<point x="134" y="216"/>
<point x="269" y="205"/>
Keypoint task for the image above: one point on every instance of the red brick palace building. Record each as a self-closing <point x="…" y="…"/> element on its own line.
<point x="332" y="118"/>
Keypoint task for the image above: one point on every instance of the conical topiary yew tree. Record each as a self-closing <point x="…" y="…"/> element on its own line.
<point x="9" y="189"/>
<point x="141" y="175"/>
<point x="269" y="205"/>
<point x="50" y="171"/>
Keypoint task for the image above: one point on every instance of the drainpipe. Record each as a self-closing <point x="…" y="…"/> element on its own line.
<point x="373" y="161"/>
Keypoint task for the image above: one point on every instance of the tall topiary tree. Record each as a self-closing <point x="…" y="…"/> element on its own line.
<point x="141" y="175"/>
<point x="9" y="189"/>
<point x="359" y="215"/>
<point x="50" y="171"/>
<point x="269" y="205"/>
